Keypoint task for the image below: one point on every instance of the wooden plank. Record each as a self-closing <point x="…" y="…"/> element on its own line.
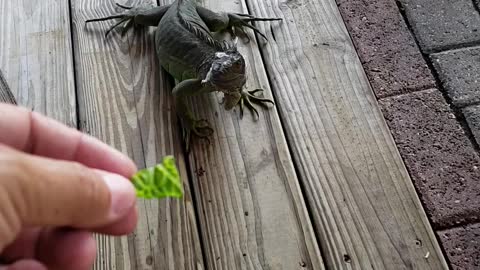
<point x="36" y="56"/>
<point x="252" y="213"/>
<point x="6" y="94"/>
<point x="125" y="101"/>
<point x="366" y="212"/>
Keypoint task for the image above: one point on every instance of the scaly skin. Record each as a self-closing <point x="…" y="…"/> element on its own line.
<point x="187" y="50"/>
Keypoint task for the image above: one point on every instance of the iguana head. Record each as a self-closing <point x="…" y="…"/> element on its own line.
<point x="227" y="74"/>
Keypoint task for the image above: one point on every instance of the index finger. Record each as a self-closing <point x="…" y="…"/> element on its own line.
<point x="34" y="133"/>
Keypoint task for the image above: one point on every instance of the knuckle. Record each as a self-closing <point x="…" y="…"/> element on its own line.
<point x="93" y="190"/>
<point x="12" y="172"/>
<point x="83" y="176"/>
<point x="13" y="208"/>
<point x="10" y="221"/>
<point x="16" y="178"/>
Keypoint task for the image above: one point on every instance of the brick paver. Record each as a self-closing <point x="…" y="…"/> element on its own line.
<point x="440" y="24"/>
<point x="459" y="71"/>
<point x="386" y="47"/>
<point x="440" y="158"/>
<point x="463" y="246"/>
<point x="472" y="115"/>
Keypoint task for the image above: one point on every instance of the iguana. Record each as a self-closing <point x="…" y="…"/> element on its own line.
<point x="187" y="50"/>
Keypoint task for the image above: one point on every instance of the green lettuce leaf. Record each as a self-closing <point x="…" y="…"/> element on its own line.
<point x="158" y="182"/>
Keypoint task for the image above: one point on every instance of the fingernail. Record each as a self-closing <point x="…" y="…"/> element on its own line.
<point x="122" y="195"/>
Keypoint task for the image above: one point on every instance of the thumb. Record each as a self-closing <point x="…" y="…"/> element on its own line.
<point x="36" y="191"/>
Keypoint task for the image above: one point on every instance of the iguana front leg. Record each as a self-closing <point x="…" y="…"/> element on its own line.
<point x="190" y="124"/>
<point x="232" y="22"/>
<point x="146" y="15"/>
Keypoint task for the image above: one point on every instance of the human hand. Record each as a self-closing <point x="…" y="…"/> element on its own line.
<point x="57" y="187"/>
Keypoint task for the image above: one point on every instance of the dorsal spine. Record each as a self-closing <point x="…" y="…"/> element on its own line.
<point x="198" y="30"/>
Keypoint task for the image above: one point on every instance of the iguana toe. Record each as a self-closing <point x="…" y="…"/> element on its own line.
<point x="123" y="6"/>
<point x="127" y="18"/>
<point x="201" y="128"/>
<point x="238" y="21"/>
<point x="249" y="98"/>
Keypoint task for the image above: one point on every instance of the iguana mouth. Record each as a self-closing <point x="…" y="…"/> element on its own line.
<point x="227" y="72"/>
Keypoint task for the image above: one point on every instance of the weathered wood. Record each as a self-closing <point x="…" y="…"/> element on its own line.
<point x="365" y="209"/>
<point x="251" y="209"/>
<point x="36" y="56"/>
<point x="125" y="101"/>
<point x="6" y="94"/>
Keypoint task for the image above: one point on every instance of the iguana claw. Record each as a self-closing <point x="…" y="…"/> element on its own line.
<point x="249" y="97"/>
<point x="123" y="6"/>
<point x="200" y="128"/>
<point x="128" y="17"/>
<point x="238" y="21"/>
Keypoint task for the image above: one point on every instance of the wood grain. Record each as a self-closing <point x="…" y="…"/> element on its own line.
<point x="124" y="99"/>
<point x="36" y="56"/>
<point x="6" y="94"/>
<point x="365" y="209"/>
<point x="251" y="209"/>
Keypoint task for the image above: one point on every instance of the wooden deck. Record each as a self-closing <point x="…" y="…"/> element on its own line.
<point x="316" y="183"/>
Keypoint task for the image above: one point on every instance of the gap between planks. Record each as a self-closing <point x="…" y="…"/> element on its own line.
<point x="365" y="209"/>
<point x="123" y="100"/>
<point x="252" y="214"/>
<point x="36" y="57"/>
